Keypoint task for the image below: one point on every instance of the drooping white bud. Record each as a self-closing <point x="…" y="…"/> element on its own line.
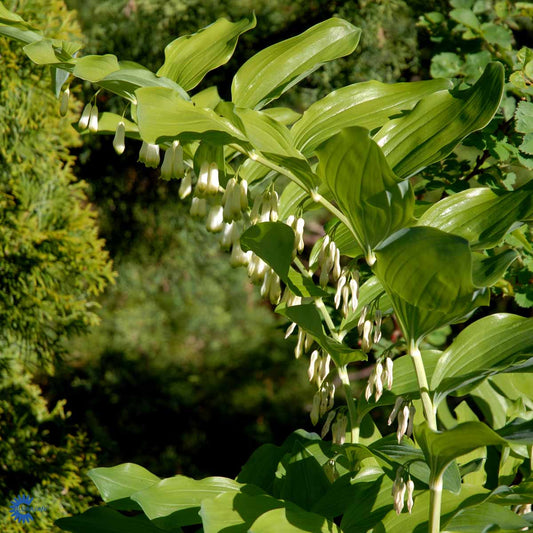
<point x="409" y="430"/>
<point x="212" y="179"/>
<point x="178" y="168"/>
<point x="254" y="213"/>
<point x="396" y="408"/>
<point x="338" y="429"/>
<point x="274" y="200"/>
<point x="290" y="330"/>
<point x="215" y="222"/>
<point x="354" y="293"/>
<point x="331" y="396"/>
<point x="203" y="175"/>
<point x="369" y="386"/>
<point x="403" y="421"/>
<point x="327" y="424"/>
<point x="389" y="367"/>
<point x="345" y="300"/>
<point x="152" y="155"/>
<point x="315" y="410"/>
<point x="323" y="368"/>
<point x="338" y="294"/>
<point x="299" y="349"/>
<point x="410" y="490"/>
<point x="299" y="234"/>
<point x="336" y="272"/>
<point x="85" y="116"/>
<point x="243" y="189"/>
<point x="226" y="239"/>
<point x="198" y="207"/>
<point x="308" y="342"/>
<point x="93" y="119"/>
<point x="378" y="372"/>
<point x="324" y="400"/>
<point x="362" y="319"/>
<point x="63" y="106"/>
<point x="367" y="336"/>
<point x="377" y="329"/>
<point x="185" y="185"/>
<point x="265" y="287"/>
<point x="119" y="143"/>
<point x="166" y="167"/>
<point x="265" y="209"/>
<point x="314" y="362"/>
<point x="399" y="496"/>
<point x="238" y="257"/>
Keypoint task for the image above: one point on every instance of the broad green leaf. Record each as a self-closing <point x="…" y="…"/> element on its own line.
<point x="235" y="511"/>
<point x="482" y="216"/>
<point x="207" y="98"/>
<point x="274" y="70"/>
<point x="265" y="133"/>
<point x="371" y="502"/>
<point x="20" y="33"/>
<point x="428" y="276"/>
<point x="438" y="122"/>
<point x="252" y="171"/>
<point x="466" y="17"/>
<point x="273" y="242"/>
<point x="121" y="481"/>
<point x="442" y="447"/>
<point x="369" y="105"/>
<point x="163" y="115"/>
<point x="291" y="519"/>
<point x="308" y="318"/>
<point x="131" y="76"/>
<point x="49" y="52"/>
<point x="518" y="431"/>
<point x="190" y="57"/>
<point x="106" y="520"/>
<point x="486" y="517"/>
<point x="299" y="170"/>
<point x="365" y="189"/>
<point x="93" y="68"/>
<point x="486" y="271"/>
<point x="8" y="17"/>
<point x="261" y="467"/>
<point x="493" y="341"/>
<point x="284" y="115"/>
<point x="181" y="497"/>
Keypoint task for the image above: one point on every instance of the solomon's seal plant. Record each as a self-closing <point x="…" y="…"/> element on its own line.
<point x="388" y="272"/>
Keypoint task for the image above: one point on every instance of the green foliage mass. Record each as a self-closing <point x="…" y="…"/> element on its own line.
<point x="40" y="455"/>
<point x="52" y="262"/>
<point x="52" y="268"/>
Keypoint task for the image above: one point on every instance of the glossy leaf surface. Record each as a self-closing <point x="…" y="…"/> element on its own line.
<point x="368" y="104"/>
<point x="438" y="122"/>
<point x="364" y="187"/>
<point x="274" y="70"/>
<point x="190" y="57"/>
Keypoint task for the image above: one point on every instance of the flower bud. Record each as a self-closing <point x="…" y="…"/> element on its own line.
<point x="238" y="257"/>
<point x="354" y="293"/>
<point x="185" y="185"/>
<point x="198" y="207"/>
<point x="254" y="213"/>
<point x="410" y="490"/>
<point x="399" y="496"/>
<point x="166" y="167"/>
<point x="215" y="222"/>
<point x="212" y="179"/>
<point x="178" y="168"/>
<point x="315" y="410"/>
<point x="203" y="175"/>
<point x="338" y="429"/>
<point x="119" y="143"/>
<point x="85" y="116"/>
<point x="378" y="372"/>
<point x="314" y="362"/>
<point x="362" y="319"/>
<point x="290" y="330"/>
<point x="93" y="119"/>
<point x="403" y="421"/>
<point x="389" y="366"/>
<point x="274" y="200"/>
<point x="299" y="349"/>
<point x="396" y="408"/>
<point x="226" y="239"/>
<point x="367" y="339"/>
<point x="149" y="154"/>
<point x="409" y="430"/>
<point x="336" y="272"/>
<point x="327" y="424"/>
<point x="63" y="106"/>
<point x="338" y="294"/>
<point x="299" y="234"/>
<point x="243" y="188"/>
